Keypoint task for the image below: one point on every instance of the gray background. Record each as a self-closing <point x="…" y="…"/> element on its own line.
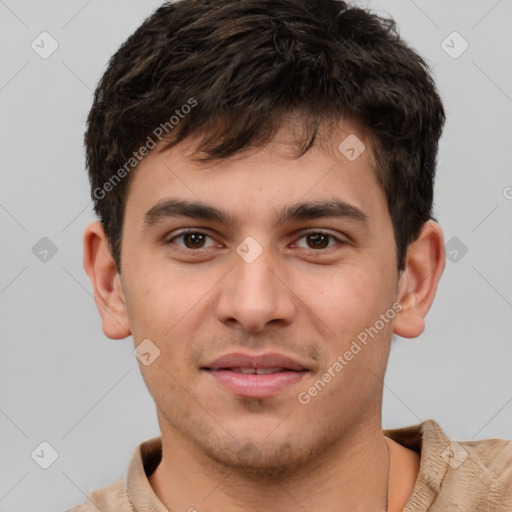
<point x="62" y="381"/>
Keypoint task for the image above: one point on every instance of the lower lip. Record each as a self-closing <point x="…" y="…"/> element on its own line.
<point x="256" y="386"/>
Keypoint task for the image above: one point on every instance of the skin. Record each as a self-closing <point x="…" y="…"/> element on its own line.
<point x="232" y="453"/>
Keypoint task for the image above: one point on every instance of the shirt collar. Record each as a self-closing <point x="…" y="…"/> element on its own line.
<point x="429" y="440"/>
<point x="426" y="438"/>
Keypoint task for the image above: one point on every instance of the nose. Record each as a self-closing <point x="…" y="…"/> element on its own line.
<point x="253" y="295"/>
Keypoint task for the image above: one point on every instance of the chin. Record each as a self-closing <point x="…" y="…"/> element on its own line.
<point x="263" y="454"/>
<point x="262" y="460"/>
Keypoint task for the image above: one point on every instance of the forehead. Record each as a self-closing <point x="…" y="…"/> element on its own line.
<point x="340" y="165"/>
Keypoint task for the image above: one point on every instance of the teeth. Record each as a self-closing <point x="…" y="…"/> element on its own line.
<point x="256" y="371"/>
<point x="264" y="371"/>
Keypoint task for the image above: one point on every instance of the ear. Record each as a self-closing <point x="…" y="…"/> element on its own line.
<point x="106" y="282"/>
<point x="418" y="282"/>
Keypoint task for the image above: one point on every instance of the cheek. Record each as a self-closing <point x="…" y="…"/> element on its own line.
<point x="155" y="302"/>
<point x="347" y="297"/>
<point x="350" y="301"/>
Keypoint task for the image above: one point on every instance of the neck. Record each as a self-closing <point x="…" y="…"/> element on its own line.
<point x="350" y="476"/>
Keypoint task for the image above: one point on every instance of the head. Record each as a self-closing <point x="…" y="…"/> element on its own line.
<point x="296" y="142"/>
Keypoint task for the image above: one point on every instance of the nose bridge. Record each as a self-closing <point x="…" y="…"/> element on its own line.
<point x="255" y="276"/>
<point x="252" y="294"/>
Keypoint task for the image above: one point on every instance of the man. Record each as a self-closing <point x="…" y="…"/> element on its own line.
<point x="263" y="174"/>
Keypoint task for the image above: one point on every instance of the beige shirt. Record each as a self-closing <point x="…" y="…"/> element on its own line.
<point x="464" y="476"/>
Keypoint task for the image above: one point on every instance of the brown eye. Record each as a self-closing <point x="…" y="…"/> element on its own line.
<point x="317" y="240"/>
<point x="194" y="240"/>
<point x="191" y="240"/>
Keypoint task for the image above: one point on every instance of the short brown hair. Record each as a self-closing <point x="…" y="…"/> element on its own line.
<point x="245" y="65"/>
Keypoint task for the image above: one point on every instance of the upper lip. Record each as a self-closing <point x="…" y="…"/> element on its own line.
<point x="244" y="360"/>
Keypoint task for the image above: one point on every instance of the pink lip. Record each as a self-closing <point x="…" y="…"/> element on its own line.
<point x="256" y="386"/>
<point x="244" y="360"/>
<point x="226" y="371"/>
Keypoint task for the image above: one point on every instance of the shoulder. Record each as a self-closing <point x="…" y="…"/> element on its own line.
<point x="133" y="491"/>
<point x="489" y="461"/>
<point x="457" y="475"/>
<point x="112" y="498"/>
<point x="477" y="474"/>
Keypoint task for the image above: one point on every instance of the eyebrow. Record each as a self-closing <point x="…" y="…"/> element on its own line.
<point x="300" y="211"/>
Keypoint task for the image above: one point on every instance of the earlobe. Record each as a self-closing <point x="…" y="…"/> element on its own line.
<point x="418" y="282"/>
<point x="106" y="282"/>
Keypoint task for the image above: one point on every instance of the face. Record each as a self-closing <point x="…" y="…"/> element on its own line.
<point x="256" y="282"/>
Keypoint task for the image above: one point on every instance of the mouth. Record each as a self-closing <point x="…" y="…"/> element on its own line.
<point x="256" y="376"/>
<point x="258" y="371"/>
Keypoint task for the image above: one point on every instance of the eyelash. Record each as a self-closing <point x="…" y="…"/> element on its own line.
<point x="304" y="234"/>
